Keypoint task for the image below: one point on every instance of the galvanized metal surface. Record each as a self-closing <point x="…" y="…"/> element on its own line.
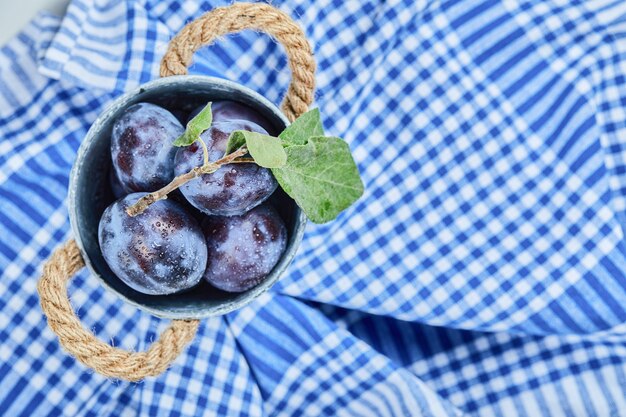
<point x="90" y="194"/>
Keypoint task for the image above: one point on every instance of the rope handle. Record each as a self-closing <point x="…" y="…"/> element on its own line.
<point x="82" y="344"/>
<point x="67" y="260"/>
<point x="256" y="16"/>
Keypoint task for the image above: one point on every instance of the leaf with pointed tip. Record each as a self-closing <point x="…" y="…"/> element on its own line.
<point x="303" y="128"/>
<point x="201" y="122"/>
<point x="321" y="177"/>
<point x="266" y="150"/>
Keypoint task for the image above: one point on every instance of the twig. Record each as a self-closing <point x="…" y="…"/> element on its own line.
<point x="243" y="161"/>
<point x="161" y="194"/>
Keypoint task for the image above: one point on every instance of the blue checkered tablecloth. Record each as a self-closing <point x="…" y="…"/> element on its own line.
<point x="482" y="273"/>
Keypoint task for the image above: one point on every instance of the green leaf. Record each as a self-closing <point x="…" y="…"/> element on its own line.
<point x="267" y="151"/>
<point x="303" y="128"/>
<point x="321" y="177"/>
<point x="235" y="141"/>
<point x="201" y="122"/>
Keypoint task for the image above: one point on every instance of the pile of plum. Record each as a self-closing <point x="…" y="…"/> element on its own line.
<point x="217" y="227"/>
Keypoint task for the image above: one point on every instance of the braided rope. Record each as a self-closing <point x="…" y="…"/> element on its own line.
<point x="256" y="16"/>
<point x="81" y="343"/>
<point x="66" y="261"/>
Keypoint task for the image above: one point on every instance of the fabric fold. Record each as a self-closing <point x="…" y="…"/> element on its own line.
<point x="490" y="139"/>
<point x="306" y="365"/>
<point x="109" y="46"/>
<point x="496" y="373"/>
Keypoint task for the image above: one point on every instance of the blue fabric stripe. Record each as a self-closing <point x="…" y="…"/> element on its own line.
<point x="463" y="224"/>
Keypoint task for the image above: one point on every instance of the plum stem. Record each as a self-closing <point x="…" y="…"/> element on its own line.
<point x="205" y="151"/>
<point x="206" y="168"/>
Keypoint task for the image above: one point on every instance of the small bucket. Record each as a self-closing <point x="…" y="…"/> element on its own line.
<point x="90" y="194"/>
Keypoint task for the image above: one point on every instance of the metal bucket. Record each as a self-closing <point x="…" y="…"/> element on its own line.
<point x="90" y="194"/>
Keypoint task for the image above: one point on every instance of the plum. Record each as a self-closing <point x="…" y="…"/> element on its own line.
<point x="224" y="111"/>
<point x="234" y="188"/>
<point x="141" y="147"/>
<point x="243" y="250"/>
<point x="160" y="251"/>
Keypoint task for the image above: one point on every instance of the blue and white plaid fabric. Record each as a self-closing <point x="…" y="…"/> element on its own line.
<point x="482" y="273"/>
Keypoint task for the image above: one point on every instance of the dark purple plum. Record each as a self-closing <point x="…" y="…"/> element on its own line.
<point x="224" y="111"/>
<point x="141" y="147"/>
<point x="243" y="250"/>
<point x="116" y="186"/>
<point x="234" y="188"/>
<point x="160" y="251"/>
